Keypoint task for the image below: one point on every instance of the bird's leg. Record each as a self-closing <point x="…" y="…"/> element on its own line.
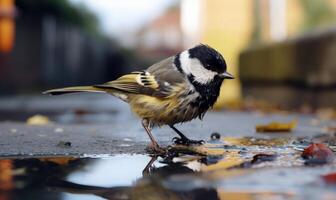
<point x="154" y="145"/>
<point x="183" y="139"/>
<point x="149" y="166"/>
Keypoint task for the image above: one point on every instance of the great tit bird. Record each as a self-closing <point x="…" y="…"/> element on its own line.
<point x="175" y="90"/>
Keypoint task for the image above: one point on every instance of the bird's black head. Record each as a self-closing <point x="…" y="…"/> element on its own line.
<point x="203" y="63"/>
<point x="205" y="69"/>
<point x="209" y="57"/>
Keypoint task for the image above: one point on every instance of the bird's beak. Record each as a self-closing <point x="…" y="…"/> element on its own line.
<point x="226" y="75"/>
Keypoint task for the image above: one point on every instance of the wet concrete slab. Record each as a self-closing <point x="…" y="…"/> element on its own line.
<point x="18" y="138"/>
<point x="93" y="148"/>
<point x="100" y="124"/>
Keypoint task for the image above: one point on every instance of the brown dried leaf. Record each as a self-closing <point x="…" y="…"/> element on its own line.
<point x="318" y="153"/>
<point x="330" y="178"/>
<point x="6" y="175"/>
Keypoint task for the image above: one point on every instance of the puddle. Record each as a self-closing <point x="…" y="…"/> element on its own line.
<point x="231" y="168"/>
<point x="121" y="170"/>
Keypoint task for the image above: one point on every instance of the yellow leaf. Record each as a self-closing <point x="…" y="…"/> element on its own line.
<point x="276" y="127"/>
<point x="38" y="120"/>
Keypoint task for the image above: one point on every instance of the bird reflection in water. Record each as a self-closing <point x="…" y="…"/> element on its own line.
<point x="149" y="186"/>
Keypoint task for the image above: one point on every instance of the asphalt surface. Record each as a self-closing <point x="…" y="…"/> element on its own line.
<point x="87" y="124"/>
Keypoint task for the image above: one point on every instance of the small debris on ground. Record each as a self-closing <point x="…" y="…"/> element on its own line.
<point x="58" y="130"/>
<point x="81" y="112"/>
<point x="258" y="158"/>
<point x="215" y="136"/>
<point x="64" y="144"/>
<point x="13" y="130"/>
<point x="127" y="139"/>
<point x="262" y="157"/>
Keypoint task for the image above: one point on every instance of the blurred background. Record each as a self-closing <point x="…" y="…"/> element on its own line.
<point x="282" y="51"/>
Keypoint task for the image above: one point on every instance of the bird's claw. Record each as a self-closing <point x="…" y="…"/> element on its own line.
<point x="186" y="141"/>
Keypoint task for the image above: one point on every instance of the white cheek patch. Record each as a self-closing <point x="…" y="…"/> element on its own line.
<point x="193" y="66"/>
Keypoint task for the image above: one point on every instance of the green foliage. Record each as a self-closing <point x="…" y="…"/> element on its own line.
<point x="317" y="13"/>
<point x="62" y="10"/>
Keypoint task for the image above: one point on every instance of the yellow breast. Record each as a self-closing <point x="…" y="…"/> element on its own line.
<point x="159" y="110"/>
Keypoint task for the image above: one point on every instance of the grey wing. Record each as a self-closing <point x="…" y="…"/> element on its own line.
<point x="160" y="80"/>
<point x="166" y="74"/>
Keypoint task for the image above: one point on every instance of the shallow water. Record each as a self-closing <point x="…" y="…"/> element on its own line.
<point x="232" y="168"/>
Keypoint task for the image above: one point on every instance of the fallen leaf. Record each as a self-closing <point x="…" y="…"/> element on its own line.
<point x="260" y="194"/>
<point x="250" y="141"/>
<point x="38" y="120"/>
<point x="231" y="160"/>
<point x="330" y="178"/>
<point x="318" y="153"/>
<point x="6" y="175"/>
<point x="276" y="127"/>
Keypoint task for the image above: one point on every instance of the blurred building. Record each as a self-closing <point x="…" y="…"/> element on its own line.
<point x="277" y="20"/>
<point x="162" y="36"/>
<point x="289" y="60"/>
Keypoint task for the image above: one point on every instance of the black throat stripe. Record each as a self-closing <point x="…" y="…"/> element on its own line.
<point x="177" y="63"/>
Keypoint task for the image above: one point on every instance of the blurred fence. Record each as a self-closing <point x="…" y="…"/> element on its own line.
<point x="50" y="53"/>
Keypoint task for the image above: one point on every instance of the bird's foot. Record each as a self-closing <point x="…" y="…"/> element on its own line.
<point x="155" y="149"/>
<point x="187" y="141"/>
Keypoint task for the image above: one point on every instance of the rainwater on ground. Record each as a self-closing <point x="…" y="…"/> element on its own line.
<point x="226" y="168"/>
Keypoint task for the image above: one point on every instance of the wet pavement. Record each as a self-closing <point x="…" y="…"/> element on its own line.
<point x="231" y="170"/>
<point x="94" y="149"/>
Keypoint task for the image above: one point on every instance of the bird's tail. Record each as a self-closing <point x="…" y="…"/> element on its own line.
<point x="76" y="89"/>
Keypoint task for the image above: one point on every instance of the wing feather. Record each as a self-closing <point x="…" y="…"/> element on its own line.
<point x="160" y="80"/>
<point x="135" y="82"/>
